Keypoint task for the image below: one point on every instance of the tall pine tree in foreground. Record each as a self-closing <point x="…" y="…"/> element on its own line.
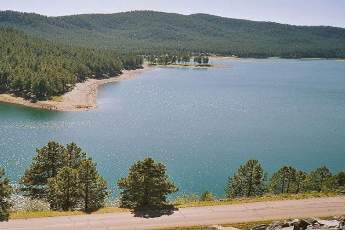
<point x="146" y="186"/>
<point x="65" y="178"/>
<point x="64" y="190"/>
<point x="247" y="181"/>
<point x="284" y="180"/>
<point x="93" y="187"/>
<point x="339" y="181"/>
<point x="318" y="179"/>
<point x="300" y="181"/>
<point x="46" y="164"/>
<point x="5" y="193"/>
<point x="73" y="156"/>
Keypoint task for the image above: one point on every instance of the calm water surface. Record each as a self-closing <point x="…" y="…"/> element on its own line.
<point x="201" y="123"/>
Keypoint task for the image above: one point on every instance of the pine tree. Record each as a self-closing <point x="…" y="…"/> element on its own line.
<point x="46" y="164"/>
<point x="300" y="181"/>
<point x="93" y="187"/>
<point x="146" y="186"/>
<point x="40" y="88"/>
<point x="339" y="180"/>
<point x="186" y="58"/>
<point x="198" y="59"/>
<point x="206" y="196"/>
<point x="318" y="178"/>
<point x="284" y="180"/>
<point x="247" y="181"/>
<point x="74" y="155"/>
<point x="64" y="190"/>
<point x="65" y="178"/>
<point x="5" y="193"/>
<point x="205" y="60"/>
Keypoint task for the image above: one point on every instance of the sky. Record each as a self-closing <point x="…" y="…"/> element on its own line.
<point x="297" y="12"/>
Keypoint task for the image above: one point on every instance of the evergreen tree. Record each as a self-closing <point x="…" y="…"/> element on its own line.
<point x="146" y="186"/>
<point x="166" y="59"/>
<point x="300" y="181"/>
<point x="93" y="187"/>
<point x="5" y="193"/>
<point x="152" y="59"/>
<point x="339" y="180"/>
<point x="5" y="78"/>
<point x="284" y="180"/>
<point x="247" y="181"/>
<point x="205" y="60"/>
<point x="46" y="164"/>
<point x="317" y="179"/>
<point x="40" y="88"/>
<point x="65" y="178"/>
<point x="173" y="59"/>
<point x="206" y="196"/>
<point x="74" y="156"/>
<point x="186" y="58"/>
<point x="64" y="190"/>
<point x="198" y="59"/>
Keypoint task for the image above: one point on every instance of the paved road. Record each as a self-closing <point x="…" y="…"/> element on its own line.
<point x="189" y="216"/>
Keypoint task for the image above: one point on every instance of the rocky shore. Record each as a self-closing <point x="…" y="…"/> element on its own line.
<point x="336" y="223"/>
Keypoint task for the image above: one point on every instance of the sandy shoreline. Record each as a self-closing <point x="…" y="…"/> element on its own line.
<point x="82" y="98"/>
<point x="213" y="58"/>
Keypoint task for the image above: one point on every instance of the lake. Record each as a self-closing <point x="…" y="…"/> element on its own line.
<point x="201" y="123"/>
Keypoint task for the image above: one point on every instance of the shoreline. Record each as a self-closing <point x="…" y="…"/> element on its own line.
<point x="83" y="97"/>
<point x="187" y="66"/>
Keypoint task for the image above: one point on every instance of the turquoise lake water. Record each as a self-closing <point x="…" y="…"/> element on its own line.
<point x="202" y="123"/>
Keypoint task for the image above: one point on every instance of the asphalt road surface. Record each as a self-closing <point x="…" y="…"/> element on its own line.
<point x="316" y="207"/>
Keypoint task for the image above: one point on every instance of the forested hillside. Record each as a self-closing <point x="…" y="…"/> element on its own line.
<point x="156" y="32"/>
<point x="37" y="69"/>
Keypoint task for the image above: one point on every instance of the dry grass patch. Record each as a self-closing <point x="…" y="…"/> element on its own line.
<point x="269" y="197"/>
<point x="42" y="214"/>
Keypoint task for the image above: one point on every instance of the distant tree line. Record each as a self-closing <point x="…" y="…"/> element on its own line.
<point x="201" y="59"/>
<point x="66" y="178"/>
<point x="148" y="32"/>
<point x="179" y="58"/>
<point x="168" y="59"/>
<point x="37" y="69"/>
